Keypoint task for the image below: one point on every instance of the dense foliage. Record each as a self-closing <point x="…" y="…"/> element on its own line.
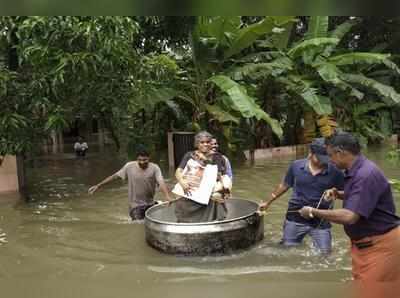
<point x="253" y="81"/>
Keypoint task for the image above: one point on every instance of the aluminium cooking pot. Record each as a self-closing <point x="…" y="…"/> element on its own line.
<point x="241" y="228"/>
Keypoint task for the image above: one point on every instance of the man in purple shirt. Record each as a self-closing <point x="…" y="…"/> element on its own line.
<point x="368" y="214"/>
<point x="309" y="178"/>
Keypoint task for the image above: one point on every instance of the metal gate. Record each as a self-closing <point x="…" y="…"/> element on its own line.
<point x="178" y="144"/>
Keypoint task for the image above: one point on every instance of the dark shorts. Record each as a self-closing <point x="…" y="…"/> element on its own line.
<point x="80" y="152"/>
<point x="138" y="212"/>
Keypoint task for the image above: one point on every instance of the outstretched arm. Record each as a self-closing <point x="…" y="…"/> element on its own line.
<point x="279" y="191"/>
<point x="165" y="190"/>
<point x="93" y="189"/>
<point x="339" y="216"/>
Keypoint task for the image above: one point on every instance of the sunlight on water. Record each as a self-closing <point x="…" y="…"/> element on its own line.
<point x="3" y="238"/>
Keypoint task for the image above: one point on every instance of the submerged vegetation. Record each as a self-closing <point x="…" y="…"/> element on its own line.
<point x="253" y="81"/>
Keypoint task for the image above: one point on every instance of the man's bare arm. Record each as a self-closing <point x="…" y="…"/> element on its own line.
<point x="165" y="190"/>
<point x="279" y="191"/>
<point x="94" y="188"/>
<point x="339" y="216"/>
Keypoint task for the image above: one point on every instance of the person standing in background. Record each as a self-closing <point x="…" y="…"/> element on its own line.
<point x="80" y="147"/>
<point x="214" y="148"/>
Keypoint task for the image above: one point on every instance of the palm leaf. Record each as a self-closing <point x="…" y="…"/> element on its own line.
<point x="331" y="74"/>
<point x="281" y="39"/>
<point x="386" y="91"/>
<point x="317" y="27"/>
<point x="221" y="114"/>
<point x="361" y="109"/>
<point x="311" y="44"/>
<point x="218" y="28"/>
<point x="261" y="56"/>
<point x="320" y="104"/>
<point x="364" y="58"/>
<point x="240" y="101"/>
<point x="262" y="70"/>
<point x="248" y="35"/>
<point x="153" y="96"/>
<point x="339" y="32"/>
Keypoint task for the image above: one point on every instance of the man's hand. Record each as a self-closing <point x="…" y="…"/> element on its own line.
<point x="186" y="187"/>
<point x="331" y="194"/>
<point x="263" y="206"/>
<point x="306" y="212"/>
<point x="93" y="189"/>
<point x="168" y="201"/>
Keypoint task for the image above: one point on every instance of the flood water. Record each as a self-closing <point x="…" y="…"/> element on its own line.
<point x="65" y="243"/>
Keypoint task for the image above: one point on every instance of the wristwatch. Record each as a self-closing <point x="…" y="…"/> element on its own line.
<point x="310" y="212"/>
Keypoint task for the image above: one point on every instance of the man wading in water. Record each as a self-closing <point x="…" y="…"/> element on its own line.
<point x="369" y="219"/>
<point x="309" y="179"/>
<point x="143" y="179"/>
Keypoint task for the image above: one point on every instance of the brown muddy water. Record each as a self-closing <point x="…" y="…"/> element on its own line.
<point x="65" y="243"/>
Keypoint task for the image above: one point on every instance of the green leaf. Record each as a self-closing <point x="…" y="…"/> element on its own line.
<point x="281" y="39"/>
<point x="317" y="27"/>
<point x="387" y="92"/>
<point x="331" y="74"/>
<point x="314" y="43"/>
<point x="218" y="27"/>
<point x="239" y="100"/>
<point x="248" y="35"/>
<point x="154" y="96"/>
<point x="262" y="70"/>
<point x="339" y="32"/>
<point x="320" y="104"/>
<point x="364" y="58"/>
<point x="221" y="115"/>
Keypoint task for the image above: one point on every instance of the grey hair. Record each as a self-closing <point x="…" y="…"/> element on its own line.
<point x="200" y="135"/>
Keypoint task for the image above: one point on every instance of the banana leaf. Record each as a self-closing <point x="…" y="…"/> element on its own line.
<point x="240" y="101"/>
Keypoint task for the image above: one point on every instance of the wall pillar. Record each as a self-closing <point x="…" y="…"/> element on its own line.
<point x="101" y="137"/>
<point x="54" y="141"/>
<point x="11" y="174"/>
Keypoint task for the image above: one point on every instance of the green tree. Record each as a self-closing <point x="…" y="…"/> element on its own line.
<point x="67" y="66"/>
<point x="315" y="72"/>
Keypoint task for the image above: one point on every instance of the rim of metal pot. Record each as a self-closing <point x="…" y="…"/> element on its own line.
<point x="199" y="223"/>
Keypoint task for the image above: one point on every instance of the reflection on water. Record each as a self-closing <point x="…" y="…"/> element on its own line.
<point x="3" y="238"/>
<point x="64" y="243"/>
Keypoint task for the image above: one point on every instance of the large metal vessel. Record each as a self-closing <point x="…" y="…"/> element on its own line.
<point x="242" y="228"/>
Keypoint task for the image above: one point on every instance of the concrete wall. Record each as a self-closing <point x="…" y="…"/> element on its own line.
<point x="278" y="152"/>
<point x="9" y="174"/>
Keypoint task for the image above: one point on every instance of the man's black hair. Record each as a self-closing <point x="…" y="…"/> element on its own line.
<point x="344" y="141"/>
<point x="142" y="151"/>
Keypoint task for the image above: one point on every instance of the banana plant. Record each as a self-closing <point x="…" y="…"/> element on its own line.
<point x="215" y="42"/>
<point x="314" y="70"/>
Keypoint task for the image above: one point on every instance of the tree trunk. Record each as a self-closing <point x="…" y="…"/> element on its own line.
<point x="114" y="136"/>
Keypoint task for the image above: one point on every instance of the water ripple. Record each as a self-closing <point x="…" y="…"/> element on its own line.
<point x="3" y="238"/>
<point x="238" y="270"/>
